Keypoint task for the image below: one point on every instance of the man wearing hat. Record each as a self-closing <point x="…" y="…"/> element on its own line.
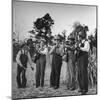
<point x="22" y="58"/>
<point x="41" y="64"/>
<point x="71" y="63"/>
<point x="82" y="62"/>
<point x="30" y="42"/>
<point x="57" y="52"/>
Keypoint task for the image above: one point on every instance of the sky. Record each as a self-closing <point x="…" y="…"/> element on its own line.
<point x="64" y="15"/>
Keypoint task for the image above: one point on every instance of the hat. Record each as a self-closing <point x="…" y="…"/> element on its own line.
<point x="57" y="38"/>
<point x="71" y="38"/>
<point x="86" y="28"/>
<point x="24" y="46"/>
<point x="43" y="40"/>
<point x="82" y="34"/>
<point x="67" y="42"/>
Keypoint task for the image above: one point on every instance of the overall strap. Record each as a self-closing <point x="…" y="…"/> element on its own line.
<point x="21" y="51"/>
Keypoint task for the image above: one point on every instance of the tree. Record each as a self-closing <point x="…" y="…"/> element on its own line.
<point x="77" y="27"/>
<point x="42" y="27"/>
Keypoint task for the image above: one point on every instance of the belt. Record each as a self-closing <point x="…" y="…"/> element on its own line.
<point x="42" y="55"/>
<point x="57" y="54"/>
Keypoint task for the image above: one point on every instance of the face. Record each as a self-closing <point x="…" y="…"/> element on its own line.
<point x="41" y="43"/>
<point x="70" y="41"/>
<point x="57" y="42"/>
<point x="79" y="37"/>
<point x="25" y="50"/>
<point x="31" y="37"/>
<point x="82" y="35"/>
<point x="37" y="46"/>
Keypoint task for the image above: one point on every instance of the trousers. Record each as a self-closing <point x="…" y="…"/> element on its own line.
<point x="21" y="79"/>
<point x="55" y="70"/>
<point x="82" y="72"/>
<point x="40" y="71"/>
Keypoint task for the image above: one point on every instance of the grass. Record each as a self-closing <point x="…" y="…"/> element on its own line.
<point x="32" y="92"/>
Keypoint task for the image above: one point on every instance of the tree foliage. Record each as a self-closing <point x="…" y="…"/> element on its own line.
<point x="42" y="27"/>
<point x="77" y="27"/>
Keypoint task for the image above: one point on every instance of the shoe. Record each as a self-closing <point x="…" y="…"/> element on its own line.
<point x="19" y="87"/>
<point x="37" y="86"/>
<point x="68" y="88"/>
<point x="84" y="92"/>
<point x="56" y="87"/>
<point x="79" y="90"/>
<point x="41" y="88"/>
<point x="72" y="89"/>
<point x="51" y="86"/>
<point x="24" y="86"/>
<point x="37" y="89"/>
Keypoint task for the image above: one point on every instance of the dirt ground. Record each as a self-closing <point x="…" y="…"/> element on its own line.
<point x="31" y="92"/>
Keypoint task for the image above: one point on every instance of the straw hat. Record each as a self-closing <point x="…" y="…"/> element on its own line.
<point x="57" y="38"/>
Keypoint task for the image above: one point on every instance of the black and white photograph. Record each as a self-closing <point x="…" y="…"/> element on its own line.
<point x="54" y="50"/>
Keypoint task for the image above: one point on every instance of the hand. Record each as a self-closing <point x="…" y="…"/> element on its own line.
<point x="23" y="67"/>
<point x="56" y="45"/>
<point x="76" y="45"/>
<point x="78" y="48"/>
<point x="32" y="68"/>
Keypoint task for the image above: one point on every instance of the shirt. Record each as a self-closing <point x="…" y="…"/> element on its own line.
<point x="44" y="50"/>
<point x="86" y="46"/>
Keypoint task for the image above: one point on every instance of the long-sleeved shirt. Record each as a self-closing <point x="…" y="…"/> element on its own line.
<point x="86" y="46"/>
<point x="18" y="58"/>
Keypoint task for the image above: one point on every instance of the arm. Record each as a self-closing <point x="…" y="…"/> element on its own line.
<point x="18" y="58"/>
<point x="52" y="50"/>
<point x="62" y="51"/>
<point x="30" y="61"/>
<point x="86" y="47"/>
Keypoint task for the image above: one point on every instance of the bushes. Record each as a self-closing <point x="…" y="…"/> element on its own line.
<point x="92" y="69"/>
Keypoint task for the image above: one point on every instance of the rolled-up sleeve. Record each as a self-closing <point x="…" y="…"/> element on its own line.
<point x="18" y="58"/>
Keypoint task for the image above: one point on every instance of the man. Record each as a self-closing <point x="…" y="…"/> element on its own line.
<point x="31" y="46"/>
<point x="82" y="62"/>
<point x="41" y="64"/>
<point x="22" y="58"/>
<point x="57" y="52"/>
<point x="71" y="64"/>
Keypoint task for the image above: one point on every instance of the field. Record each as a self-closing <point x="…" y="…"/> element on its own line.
<point x="31" y="92"/>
